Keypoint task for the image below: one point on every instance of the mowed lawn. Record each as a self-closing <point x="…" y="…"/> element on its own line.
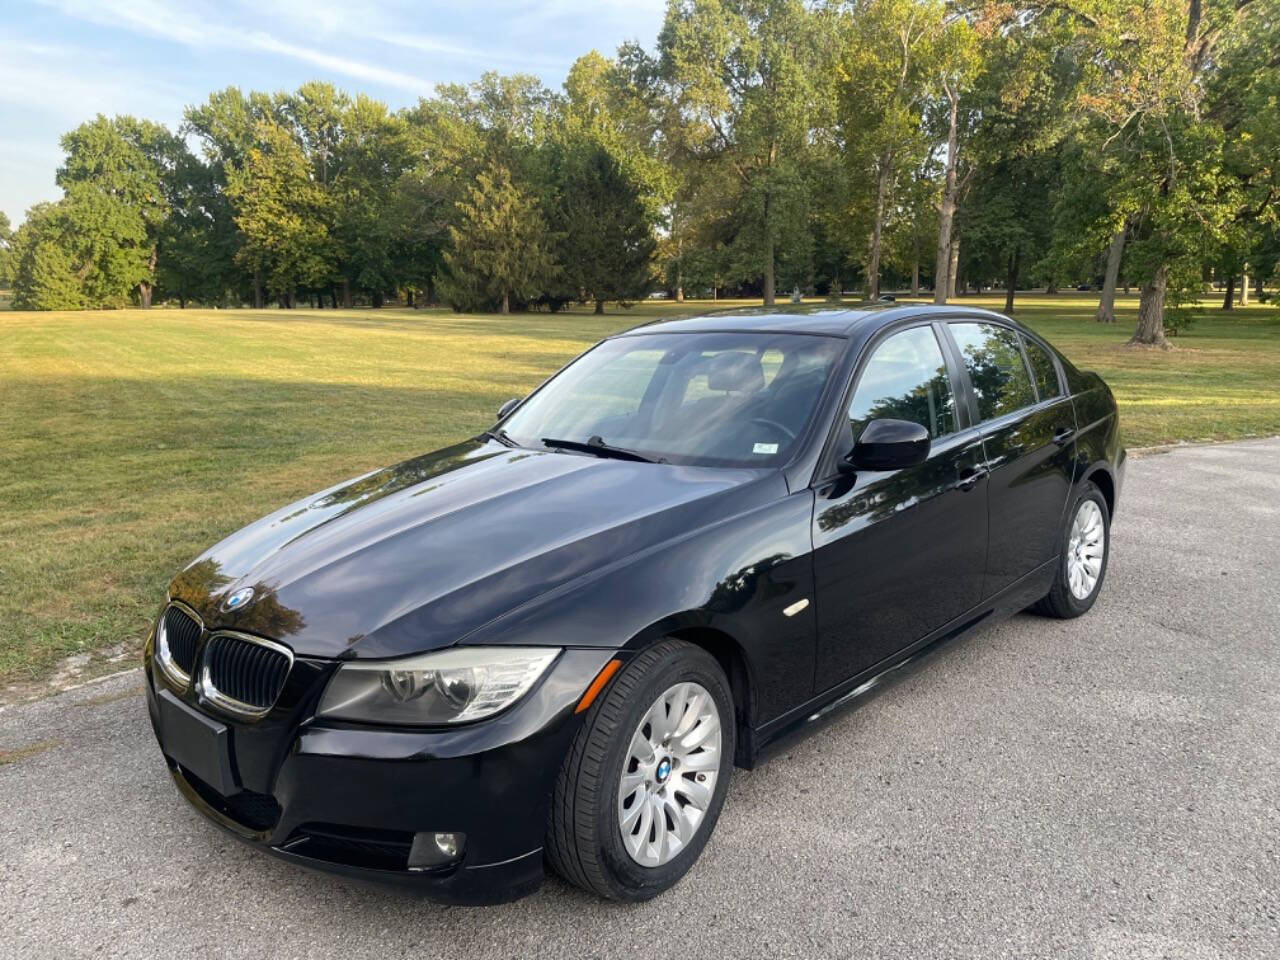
<point x="131" y="440"/>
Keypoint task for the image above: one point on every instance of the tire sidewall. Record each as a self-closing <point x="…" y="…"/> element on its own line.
<point x="636" y="881"/>
<point x="1088" y="492"/>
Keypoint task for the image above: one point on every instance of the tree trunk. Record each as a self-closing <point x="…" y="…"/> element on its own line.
<point x="408" y="294"/>
<point x="599" y="306"/>
<point x="1231" y="292"/>
<point x="768" y="255"/>
<point x="145" y="288"/>
<point x="293" y="299"/>
<point x="877" y="226"/>
<point x="376" y="299"/>
<point x="1011" y="284"/>
<point x="1150" y="330"/>
<point x="1126" y="286"/>
<point x="1257" y="285"/>
<point x="1051" y="286"/>
<point x="1244" y="286"/>
<point x="915" y="271"/>
<point x="506" y="302"/>
<point x="182" y="301"/>
<point x="1107" y="302"/>
<point x="947" y="212"/>
<point x="257" y="292"/>
<point x="953" y="268"/>
<point x="346" y="294"/>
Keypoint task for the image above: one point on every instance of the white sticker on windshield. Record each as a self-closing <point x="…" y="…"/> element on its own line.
<point x="765" y="448"/>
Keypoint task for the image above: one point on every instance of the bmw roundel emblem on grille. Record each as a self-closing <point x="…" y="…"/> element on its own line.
<point x="239" y="598"/>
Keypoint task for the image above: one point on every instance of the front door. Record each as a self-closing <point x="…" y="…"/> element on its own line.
<point x="898" y="554"/>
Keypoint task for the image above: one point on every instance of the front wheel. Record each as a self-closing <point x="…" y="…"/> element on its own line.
<point x="1086" y="546"/>
<point x="642" y="787"/>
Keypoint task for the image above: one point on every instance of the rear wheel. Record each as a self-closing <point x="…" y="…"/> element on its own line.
<point x="642" y="787"/>
<point x="1086" y="545"/>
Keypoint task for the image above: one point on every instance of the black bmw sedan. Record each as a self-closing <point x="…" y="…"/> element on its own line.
<point x="550" y="644"/>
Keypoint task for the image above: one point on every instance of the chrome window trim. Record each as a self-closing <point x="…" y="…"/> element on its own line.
<point x="209" y="690"/>
<point x="174" y="673"/>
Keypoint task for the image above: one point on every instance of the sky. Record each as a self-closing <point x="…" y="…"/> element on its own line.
<point x="63" y="61"/>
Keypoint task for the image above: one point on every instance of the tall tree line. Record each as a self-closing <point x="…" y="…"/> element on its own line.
<point x="761" y="146"/>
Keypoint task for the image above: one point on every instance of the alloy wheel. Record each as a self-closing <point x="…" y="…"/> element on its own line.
<point x="669" y="775"/>
<point x="1085" y="550"/>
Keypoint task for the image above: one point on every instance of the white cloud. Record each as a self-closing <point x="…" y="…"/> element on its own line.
<point x="353" y="68"/>
<point x="69" y="59"/>
<point x="189" y="27"/>
<point x="37" y="78"/>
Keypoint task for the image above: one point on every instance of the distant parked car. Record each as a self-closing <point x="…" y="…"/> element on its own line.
<point x="552" y="642"/>
<point x="1084" y="287"/>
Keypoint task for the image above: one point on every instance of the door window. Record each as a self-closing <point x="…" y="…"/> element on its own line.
<point x="997" y="369"/>
<point x="1042" y="368"/>
<point x="905" y="379"/>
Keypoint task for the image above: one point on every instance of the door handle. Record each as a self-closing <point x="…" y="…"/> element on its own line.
<point x="1062" y="435"/>
<point x="969" y="477"/>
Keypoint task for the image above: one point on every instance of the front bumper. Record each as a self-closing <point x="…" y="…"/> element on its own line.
<point x="349" y="798"/>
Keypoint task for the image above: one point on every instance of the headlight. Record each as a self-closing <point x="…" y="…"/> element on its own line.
<point x="451" y="686"/>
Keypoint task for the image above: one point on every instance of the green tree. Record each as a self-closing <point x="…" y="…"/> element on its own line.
<point x="120" y="172"/>
<point x="885" y="70"/>
<point x="1161" y="155"/>
<point x="100" y="247"/>
<point x="369" y="160"/>
<point x="6" y="254"/>
<point x="498" y="120"/>
<point x="283" y="214"/>
<point x="1021" y="100"/>
<point x="958" y="64"/>
<point x="742" y="80"/>
<point x="190" y="266"/>
<point x="44" y="276"/>
<point x="499" y="249"/>
<point x="226" y="125"/>
<point x="1243" y="97"/>
<point x="606" y="237"/>
<point x="913" y="229"/>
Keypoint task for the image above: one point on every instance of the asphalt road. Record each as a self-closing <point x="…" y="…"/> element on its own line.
<point x="1103" y="787"/>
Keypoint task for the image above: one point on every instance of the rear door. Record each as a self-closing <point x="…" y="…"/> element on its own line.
<point x="899" y="553"/>
<point x="1027" y="427"/>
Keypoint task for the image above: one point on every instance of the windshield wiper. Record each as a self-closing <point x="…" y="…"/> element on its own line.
<point x="501" y="436"/>
<point x="597" y="446"/>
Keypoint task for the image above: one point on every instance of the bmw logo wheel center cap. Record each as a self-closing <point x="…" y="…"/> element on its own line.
<point x="664" y="770"/>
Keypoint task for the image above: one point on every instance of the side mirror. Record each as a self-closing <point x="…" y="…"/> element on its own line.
<point x="507" y="407"/>
<point x="889" y="445"/>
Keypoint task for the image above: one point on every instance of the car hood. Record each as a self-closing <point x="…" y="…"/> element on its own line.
<point x="415" y="556"/>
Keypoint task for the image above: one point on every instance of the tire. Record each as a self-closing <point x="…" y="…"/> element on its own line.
<point x="585" y="835"/>
<point x="1062" y="602"/>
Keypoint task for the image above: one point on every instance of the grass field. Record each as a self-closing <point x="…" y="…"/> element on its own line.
<point x="129" y="441"/>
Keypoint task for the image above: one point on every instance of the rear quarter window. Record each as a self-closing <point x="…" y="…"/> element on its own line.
<point x="1043" y="371"/>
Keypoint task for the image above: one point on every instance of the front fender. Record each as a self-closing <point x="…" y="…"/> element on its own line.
<point x="736" y="576"/>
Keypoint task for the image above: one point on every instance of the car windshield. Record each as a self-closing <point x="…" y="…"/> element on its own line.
<point x="709" y="399"/>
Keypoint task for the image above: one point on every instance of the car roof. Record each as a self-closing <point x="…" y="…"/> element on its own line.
<point x="821" y="319"/>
